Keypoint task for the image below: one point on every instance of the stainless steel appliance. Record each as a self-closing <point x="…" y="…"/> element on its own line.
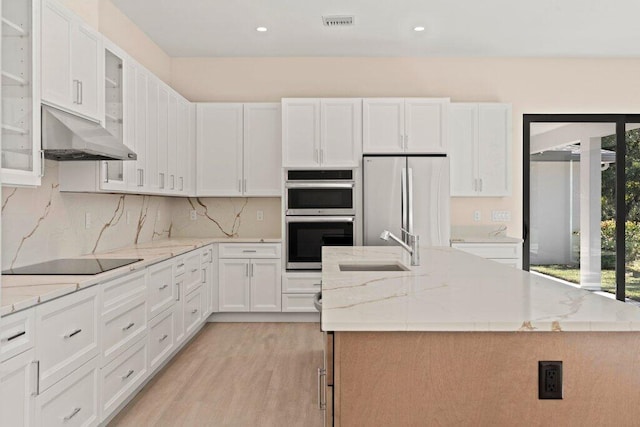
<point x="320" y="192"/>
<point x="72" y="266"/>
<point x="306" y="235"/>
<point x="320" y="210"/>
<point x="406" y="193"/>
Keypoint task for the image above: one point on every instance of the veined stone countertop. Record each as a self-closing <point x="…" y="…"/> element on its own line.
<point x="455" y="291"/>
<point x="21" y="292"/>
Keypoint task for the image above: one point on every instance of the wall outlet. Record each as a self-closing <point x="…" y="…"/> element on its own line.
<point x="550" y="380"/>
<point x="193" y="215"/>
<point x="500" y="216"/>
<point x="87" y="220"/>
<point x="477" y="216"/>
<point x="260" y="215"/>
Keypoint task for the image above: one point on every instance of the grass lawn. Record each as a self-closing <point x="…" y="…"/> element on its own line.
<point x="571" y="274"/>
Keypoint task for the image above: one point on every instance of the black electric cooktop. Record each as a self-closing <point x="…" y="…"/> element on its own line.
<point x="72" y="266"/>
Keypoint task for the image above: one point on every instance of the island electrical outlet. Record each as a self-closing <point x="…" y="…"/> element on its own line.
<point x="549" y="380"/>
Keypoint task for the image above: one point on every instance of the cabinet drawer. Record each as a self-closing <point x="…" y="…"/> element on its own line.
<point x="193" y="273"/>
<point x="249" y="250"/>
<point x="179" y="266"/>
<point x="494" y="250"/>
<point x="16" y="333"/>
<point x="301" y="283"/>
<point x="298" y="303"/>
<point x="161" y="289"/>
<point x="192" y="311"/>
<point x="67" y="334"/>
<point x="120" y="291"/>
<point x="72" y="401"/>
<point x="207" y="255"/>
<point x="161" y="338"/>
<point x="120" y="377"/>
<point x="122" y="327"/>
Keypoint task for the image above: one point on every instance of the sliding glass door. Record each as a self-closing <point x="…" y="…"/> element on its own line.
<point x="582" y="200"/>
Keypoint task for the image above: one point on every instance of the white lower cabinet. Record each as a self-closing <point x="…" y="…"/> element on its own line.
<point x="17" y="333"/>
<point x="251" y="280"/>
<point x="67" y="334"/>
<point x="122" y="327"/>
<point x="122" y="376"/>
<point x="192" y="311"/>
<point x="73" y="401"/>
<point x="178" y="319"/>
<point x="18" y="387"/>
<point x="298" y="290"/>
<point x="504" y="253"/>
<point x="161" y="292"/>
<point x="161" y="338"/>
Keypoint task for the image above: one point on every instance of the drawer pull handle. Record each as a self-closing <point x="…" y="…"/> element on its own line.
<point x="164" y="337"/>
<point x="194" y="311"/>
<point x="181" y="265"/>
<point x="72" y="414"/>
<point x="249" y="250"/>
<point x="129" y="326"/>
<point x="193" y="270"/>
<point x="124" y="377"/>
<point x="317" y="284"/>
<point x="165" y="286"/>
<point x="73" y="334"/>
<point x="14" y="336"/>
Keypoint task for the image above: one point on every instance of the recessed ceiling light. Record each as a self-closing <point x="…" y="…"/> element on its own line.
<point x="261" y="29"/>
<point x="419" y="28"/>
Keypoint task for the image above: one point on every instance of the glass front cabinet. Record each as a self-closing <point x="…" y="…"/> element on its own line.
<point x="22" y="157"/>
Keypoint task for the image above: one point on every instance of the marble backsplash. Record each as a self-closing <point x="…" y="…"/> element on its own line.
<point x="39" y="224"/>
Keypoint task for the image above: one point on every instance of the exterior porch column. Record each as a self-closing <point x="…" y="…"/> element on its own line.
<point x="590" y="213"/>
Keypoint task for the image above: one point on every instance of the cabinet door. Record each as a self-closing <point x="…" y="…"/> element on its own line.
<point x="184" y="149"/>
<point x="114" y="173"/>
<point x="17" y="390"/>
<point x="140" y="178"/>
<point x="300" y="132"/>
<point x="262" y="150"/>
<point x="266" y="294"/>
<point x="178" y="319"/>
<point x="494" y="149"/>
<point x="219" y="148"/>
<point x="163" y="138"/>
<point x="172" y="143"/>
<point x="57" y="26"/>
<point x="233" y="284"/>
<point x="152" y="134"/>
<point x="129" y="114"/>
<point x="426" y="125"/>
<point x="383" y="125"/>
<point x="463" y="144"/>
<point x="341" y="132"/>
<point x="86" y="71"/>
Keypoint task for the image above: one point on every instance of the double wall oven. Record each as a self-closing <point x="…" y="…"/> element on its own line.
<point x="320" y="210"/>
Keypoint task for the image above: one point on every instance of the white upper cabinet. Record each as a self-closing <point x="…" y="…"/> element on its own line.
<point x="262" y="149"/>
<point x="300" y="132"/>
<point x="238" y="149"/>
<point x="172" y="144"/>
<point x="162" y="146"/>
<point x="340" y="132"/>
<point x="405" y="125"/>
<point x="321" y="132"/>
<point x="219" y="149"/>
<point x="71" y="62"/>
<point x="480" y="140"/>
<point x="152" y="134"/>
<point x="184" y="147"/>
<point x="20" y="119"/>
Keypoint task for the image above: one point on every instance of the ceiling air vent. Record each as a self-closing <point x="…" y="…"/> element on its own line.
<point x="337" y="21"/>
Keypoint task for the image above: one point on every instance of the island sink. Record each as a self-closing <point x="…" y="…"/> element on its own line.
<point x="372" y="267"/>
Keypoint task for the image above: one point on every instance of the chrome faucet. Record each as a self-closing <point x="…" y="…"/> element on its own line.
<point x="412" y="248"/>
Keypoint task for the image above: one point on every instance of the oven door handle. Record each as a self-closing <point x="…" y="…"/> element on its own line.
<point x="319" y="219"/>
<point x="319" y="185"/>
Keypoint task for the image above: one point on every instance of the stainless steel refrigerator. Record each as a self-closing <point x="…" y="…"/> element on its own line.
<point x="410" y="192"/>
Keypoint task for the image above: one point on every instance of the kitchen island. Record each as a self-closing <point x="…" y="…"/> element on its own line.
<point x="457" y="341"/>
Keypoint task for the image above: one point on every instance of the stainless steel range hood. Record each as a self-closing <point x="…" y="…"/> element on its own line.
<point x="69" y="137"/>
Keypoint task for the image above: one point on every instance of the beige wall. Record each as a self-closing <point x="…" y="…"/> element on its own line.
<point x="531" y="85"/>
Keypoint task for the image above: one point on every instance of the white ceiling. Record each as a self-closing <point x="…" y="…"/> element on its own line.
<point x="575" y="28"/>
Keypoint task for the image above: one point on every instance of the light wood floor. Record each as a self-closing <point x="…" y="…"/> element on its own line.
<point x="236" y="374"/>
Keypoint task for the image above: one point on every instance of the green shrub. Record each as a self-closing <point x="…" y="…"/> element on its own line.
<point x="632" y="243"/>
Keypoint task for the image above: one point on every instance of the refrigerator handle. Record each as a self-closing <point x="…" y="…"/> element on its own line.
<point x="410" y="202"/>
<point x="403" y="195"/>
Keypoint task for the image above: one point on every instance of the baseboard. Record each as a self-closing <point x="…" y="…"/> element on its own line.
<point x="264" y="317"/>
